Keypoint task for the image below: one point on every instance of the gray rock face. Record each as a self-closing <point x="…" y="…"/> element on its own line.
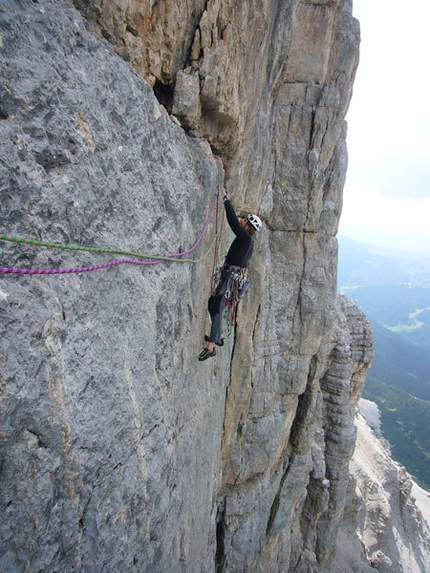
<point x="395" y="532"/>
<point x="119" y="450"/>
<point x="105" y="432"/>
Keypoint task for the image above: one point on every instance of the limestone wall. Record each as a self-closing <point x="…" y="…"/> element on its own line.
<point x="119" y="122"/>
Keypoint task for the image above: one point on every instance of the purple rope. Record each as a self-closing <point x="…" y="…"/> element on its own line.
<point x="214" y="202"/>
<point x="18" y="271"/>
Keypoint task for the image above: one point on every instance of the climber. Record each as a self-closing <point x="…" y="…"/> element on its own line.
<point x="236" y="260"/>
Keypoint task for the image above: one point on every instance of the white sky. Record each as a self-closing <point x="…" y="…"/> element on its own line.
<point x="387" y="190"/>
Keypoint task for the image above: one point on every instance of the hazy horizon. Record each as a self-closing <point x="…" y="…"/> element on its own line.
<point x="386" y="198"/>
<point x="394" y="242"/>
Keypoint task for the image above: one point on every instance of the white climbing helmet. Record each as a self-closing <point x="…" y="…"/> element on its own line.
<point x="255" y="222"/>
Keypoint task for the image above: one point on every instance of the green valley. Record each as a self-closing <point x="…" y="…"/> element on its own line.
<point x="394" y="293"/>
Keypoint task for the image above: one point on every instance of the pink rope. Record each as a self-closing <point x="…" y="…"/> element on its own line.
<point x="214" y="203"/>
<point x="17" y="271"/>
<point x="20" y="271"/>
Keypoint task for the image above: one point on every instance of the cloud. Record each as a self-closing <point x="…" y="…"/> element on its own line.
<point x="407" y="178"/>
<point x="388" y="181"/>
<point x="367" y="206"/>
<point x="380" y="219"/>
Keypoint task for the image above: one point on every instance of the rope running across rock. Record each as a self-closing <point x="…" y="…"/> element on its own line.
<point x="154" y="259"/>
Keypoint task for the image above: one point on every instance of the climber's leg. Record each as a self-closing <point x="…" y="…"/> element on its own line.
<point x="216" y="327"/>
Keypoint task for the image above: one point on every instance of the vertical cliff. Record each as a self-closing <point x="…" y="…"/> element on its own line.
<point x="393" y="529"/>
<point x="119" y="122"/>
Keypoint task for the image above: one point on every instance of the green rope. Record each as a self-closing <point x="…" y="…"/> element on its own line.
<point x="62" y="246"/>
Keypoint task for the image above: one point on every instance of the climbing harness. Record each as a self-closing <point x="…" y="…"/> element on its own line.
<point x="231" y="285"/>
<point x="152" y="259"/>
<point x="237" y="285"/>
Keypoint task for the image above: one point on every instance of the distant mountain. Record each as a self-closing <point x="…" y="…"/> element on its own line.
<point x="365" y="265"/>
<point x="394" y="292"/>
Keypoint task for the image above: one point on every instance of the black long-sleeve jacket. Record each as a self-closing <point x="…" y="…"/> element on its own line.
<point x="241" y="248"/>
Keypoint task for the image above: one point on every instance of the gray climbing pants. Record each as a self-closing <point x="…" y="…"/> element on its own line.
<point x="216" y="326"/>
<point x="216" y="306"/>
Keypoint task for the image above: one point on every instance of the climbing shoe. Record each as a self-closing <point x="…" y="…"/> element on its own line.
<point x="205" y="354"/>
<point x="220" y="343"/>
